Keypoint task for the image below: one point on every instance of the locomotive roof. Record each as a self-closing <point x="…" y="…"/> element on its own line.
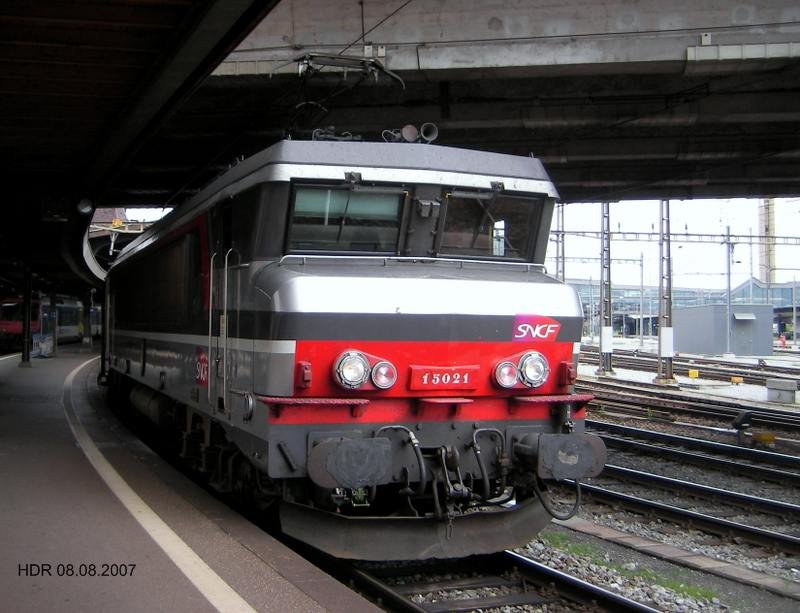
<point x="390" y="156"/>
<point x="448" y="165"/>
<point x="403" y="155"/>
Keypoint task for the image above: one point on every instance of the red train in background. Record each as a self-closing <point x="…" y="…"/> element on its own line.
<point x="69" y="313"/>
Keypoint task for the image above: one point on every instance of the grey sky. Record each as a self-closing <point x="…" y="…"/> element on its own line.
<point x="694" y="265"/>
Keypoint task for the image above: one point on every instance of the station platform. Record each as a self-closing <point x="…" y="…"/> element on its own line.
<point x="92" y="519"/>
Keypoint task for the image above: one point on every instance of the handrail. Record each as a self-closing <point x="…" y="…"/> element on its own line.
<point x="210" y="321"/>
<point x="225" y="344"/>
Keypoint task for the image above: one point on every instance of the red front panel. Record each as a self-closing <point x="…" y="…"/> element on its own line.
<point x="15" y="327"/>
<point x="452" y="368"/>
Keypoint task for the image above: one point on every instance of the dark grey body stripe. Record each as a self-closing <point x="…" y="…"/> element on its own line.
<point x="401" y="327"/>
<point x="268" y="325"/>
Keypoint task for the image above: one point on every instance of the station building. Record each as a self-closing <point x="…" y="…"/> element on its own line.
<point x="631" y="303"/>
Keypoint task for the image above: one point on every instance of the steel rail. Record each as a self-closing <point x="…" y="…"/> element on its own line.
<point x="398" y="597"/>
<point x="757" y="455"/>
<point x="588" y="591"/>
<point x="678" y="400"/>
<point x="384" y="593"/>
<point x="755" y="370"/>
<point x="628" y="408"/>
<point x="715" y="373"/>
<point x="702" y="521"/>
<point x="639" y="394"/>
<point x="756" y="503"/>
<point x="774" y="475"/>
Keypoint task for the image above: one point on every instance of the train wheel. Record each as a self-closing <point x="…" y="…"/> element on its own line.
<point x="243" y="480"/>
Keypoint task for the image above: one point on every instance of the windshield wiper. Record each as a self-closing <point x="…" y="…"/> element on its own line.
<point x="344" y="215"/>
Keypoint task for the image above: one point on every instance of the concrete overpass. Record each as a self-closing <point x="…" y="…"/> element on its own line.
<point x="621" y="99"/>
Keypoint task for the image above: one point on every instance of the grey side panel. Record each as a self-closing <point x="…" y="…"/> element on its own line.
<point x="273" y="373"/>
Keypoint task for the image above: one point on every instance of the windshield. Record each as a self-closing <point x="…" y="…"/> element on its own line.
<point x="11" y="311"/>
<point x="343" y="219"/>
<point x="496" y="226"/>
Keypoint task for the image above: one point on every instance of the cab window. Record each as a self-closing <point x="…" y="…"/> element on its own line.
<point x="345" y="219"/>
<point x="489" y="225"/>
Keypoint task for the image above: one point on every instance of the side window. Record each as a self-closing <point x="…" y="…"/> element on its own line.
<point x="161" y="289"/>
<point x="171" y="281"/>
<point x="67" y="315"/>
<point x="240" y="224"/>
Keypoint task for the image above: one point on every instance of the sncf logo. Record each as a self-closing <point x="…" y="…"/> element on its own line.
<point x="527" y="328"/>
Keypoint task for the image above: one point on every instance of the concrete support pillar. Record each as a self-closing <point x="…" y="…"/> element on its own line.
<point x="87" y="320"/>
<point x="102" y="377"/>
<point x="54" y="312"/>
<point x="27" y="301"/>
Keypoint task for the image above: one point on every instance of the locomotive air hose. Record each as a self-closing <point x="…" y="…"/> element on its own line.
<point x="414" y="442"/>
<point x="423" y="472"/>
<point x="549" y="508"/>
<point x="484" y="476"/>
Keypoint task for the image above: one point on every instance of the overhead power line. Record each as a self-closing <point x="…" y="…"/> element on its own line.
<point x="716" y="239"/>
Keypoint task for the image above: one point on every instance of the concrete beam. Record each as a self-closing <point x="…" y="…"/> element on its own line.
<point x="535" y="37"/>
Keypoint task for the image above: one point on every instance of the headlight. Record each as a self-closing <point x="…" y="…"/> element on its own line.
<point x="506" y="374"/>
<point x="384" y="375"/>
<point x="352" y="369"/>
<point x="533" y="369"/>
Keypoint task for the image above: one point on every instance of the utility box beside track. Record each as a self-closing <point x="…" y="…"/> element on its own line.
<point x="781" y="390"/>
<point x="703" y="329"/>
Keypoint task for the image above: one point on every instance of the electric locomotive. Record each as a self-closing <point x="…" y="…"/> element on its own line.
<point x="363" y="337"/>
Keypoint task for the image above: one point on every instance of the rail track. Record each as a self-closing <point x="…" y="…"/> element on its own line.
<point x="505" y="579"/>
<point x="706" y="460"/>
<point x="757" y="519"/>
<point x="708" y="519"/>
<point x="756" y="457"/>
<point x="718" y="370"/>
<point x="665" y="402"/>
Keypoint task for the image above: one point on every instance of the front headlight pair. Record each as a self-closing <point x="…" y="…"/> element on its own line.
<point x="531" y="370"/>
<point x="353" y="370"/>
